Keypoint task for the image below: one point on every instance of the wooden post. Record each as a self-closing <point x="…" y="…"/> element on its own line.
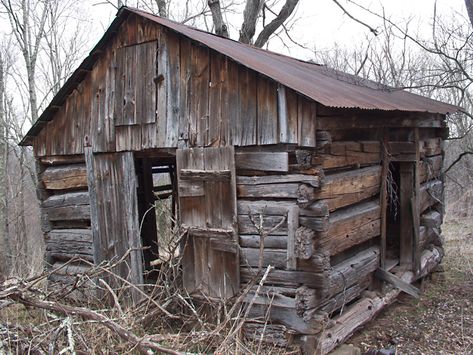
<point x="406" y="233"/>
<point x="415" y="206"/>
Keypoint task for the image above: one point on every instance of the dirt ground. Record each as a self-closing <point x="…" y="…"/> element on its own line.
<point x="441" y="321"/>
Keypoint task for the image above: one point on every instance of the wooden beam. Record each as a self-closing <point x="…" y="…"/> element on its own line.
<point x="262" y="161"/>
<point x="397" y="282"/>
<point x="384" y="199"/>
<point x="406" y="233"/>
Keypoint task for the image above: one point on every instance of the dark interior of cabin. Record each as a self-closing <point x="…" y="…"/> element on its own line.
<point x="157" y="208"/>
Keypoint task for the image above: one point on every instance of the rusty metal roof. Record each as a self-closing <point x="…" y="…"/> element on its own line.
<point x="327" y="86"/>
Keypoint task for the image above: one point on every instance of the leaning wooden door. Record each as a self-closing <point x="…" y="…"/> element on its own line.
<point x="114" y="214"/>
<point x="207" y="210"/>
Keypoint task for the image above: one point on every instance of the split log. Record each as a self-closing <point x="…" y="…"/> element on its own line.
<point x="432" y="219"/>
<point x="266" y="208"/>
<point x="355" y="316"/>
<point x="429" y="260"/>
<point x="311" y="180"/>
<point x="347" y="188"/>
<point x="352" y="270"/>
<point x="351" y="226"/>
<point x="246" y="226"/>
<point x="316" y="209"/>
<point x="428" y="235"/>
<point x="274" y="257"/>
<point x="317" y="263"/>
<point x="287" y="278"/>
<point x="318" y="224"/>
<point x="62" y="159"/>
<point x="345" y="154"/>
<point x="312" y="323"/>
<point x="262" y="161"/>
<point x="304" y="243"/>
<point x="270" y="242"/>
<point x="71" y="206"/>
<point x="64" y="244"/>
<point x="271" y="334"/>
<point x="430" y="168"/>
<point x="431" y="193"/>
<point x="307" y="299"/>
<point x="65" y="177"/>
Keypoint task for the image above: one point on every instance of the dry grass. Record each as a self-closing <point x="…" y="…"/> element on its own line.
<point x="441" y="321"/>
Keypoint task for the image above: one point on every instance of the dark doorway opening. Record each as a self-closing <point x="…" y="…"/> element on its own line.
<point x="157" y="196"/>
<point x="393" y="217"/>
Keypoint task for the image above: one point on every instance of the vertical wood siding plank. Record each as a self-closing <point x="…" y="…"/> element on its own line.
<point x="186" y="93"/>
<point x="173" y="87"/>
<point x="162" y="88"/>
<point x="247" y="120"/>
<point x="199" y="106"/>
<point x="218" y="101"/>
<point x="267" y="111"/>
<point x="307" y="122"/>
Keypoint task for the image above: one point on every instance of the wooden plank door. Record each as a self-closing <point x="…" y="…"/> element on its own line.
<point x="114" y="214"/>
<point x="207" y="210"/>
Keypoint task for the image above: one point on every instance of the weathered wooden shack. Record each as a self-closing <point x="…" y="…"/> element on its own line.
<point x="334" y="180"/>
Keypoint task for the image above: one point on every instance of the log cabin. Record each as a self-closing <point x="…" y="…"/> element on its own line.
<point x="334" y="181"/>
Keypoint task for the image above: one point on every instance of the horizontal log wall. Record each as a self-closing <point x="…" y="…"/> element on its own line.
<point x="65" y="210"/>
<point x="336" y="191"/>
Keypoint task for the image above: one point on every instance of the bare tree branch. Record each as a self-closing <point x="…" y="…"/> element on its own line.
<point x="271" y="27"/>
<point x="250" y="17"/>
<point x="221" y="28"/>
<point x="373" y="30"/>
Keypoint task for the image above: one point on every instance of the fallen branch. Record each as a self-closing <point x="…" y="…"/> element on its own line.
<point x="145" y="343"/>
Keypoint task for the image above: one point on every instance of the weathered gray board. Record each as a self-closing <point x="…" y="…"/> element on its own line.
<point x="114" y="213"/>
<point x="207" y="206"/>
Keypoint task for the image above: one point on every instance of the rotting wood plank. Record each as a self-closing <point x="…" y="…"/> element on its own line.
<point x="245" y="133"/>
<point x="397" y="282"/>
<point x="267" y="124"/>
<point x="262" y="161"/>
<point x="432" y="219"/>
<point x="346" y="188"/>
<point x="65" y="177"/>
<point x="311" y="324"/>
<point x="431" y="193"/>
<point x="352" y="270"/>
<point x="355" y="316"/>
<point x="348" y="153"/>
<point x="306" y="119"/>
<point x="64" y="244"/>
<point x="285" y="277"/>
<point x="311" y="180"/>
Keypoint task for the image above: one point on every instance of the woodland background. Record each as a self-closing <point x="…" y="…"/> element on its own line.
<point x="42" y="42"/>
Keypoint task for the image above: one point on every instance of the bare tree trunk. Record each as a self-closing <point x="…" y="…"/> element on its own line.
<point x="162" y="8"/>
<point x="272" y="27"/>
<point x="221" y="28"/>
<point x="250" y="16"/>
<point x="28" y="36"/>
<point x="4" y="243"/>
